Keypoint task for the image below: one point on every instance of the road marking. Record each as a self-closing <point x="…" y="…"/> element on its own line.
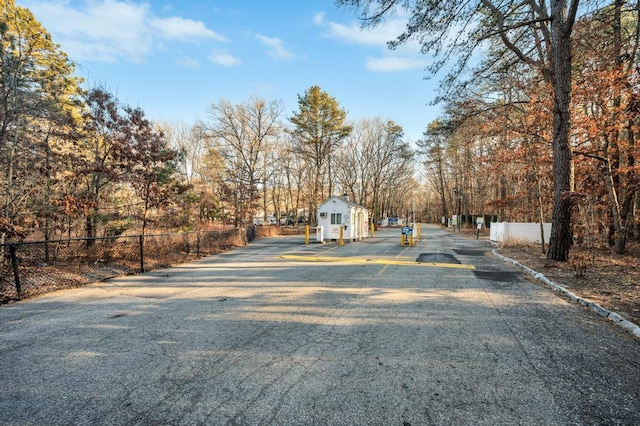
<point x="382" y="270"/>
<point x="327" y="259"/>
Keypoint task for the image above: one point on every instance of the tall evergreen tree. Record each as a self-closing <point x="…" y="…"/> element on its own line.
<point x="319" y="126"/>
<point x="39" y="105"/>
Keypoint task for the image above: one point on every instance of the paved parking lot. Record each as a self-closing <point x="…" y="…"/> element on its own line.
<point x="279" y="333"/>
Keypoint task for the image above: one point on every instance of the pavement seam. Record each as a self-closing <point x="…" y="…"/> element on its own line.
<point x="612" y="316"/>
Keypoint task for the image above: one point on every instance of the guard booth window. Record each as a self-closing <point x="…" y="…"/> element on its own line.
<point x="336" y="218"/>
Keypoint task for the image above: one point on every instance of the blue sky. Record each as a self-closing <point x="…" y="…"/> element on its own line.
<point x="174" y="58"/>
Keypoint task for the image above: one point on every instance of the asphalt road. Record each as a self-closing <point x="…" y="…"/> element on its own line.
<point x="279" y="333"/>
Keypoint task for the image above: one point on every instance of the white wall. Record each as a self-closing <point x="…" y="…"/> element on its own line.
<point x="525" y="232"/>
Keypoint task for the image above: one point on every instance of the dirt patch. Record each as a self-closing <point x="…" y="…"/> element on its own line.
<point x="598" y="275"/>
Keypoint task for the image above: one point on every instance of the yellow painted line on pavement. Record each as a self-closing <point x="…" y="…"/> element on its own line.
<point x="316" y="258"/>
<point x="298" y="258"/>
<point x="382" y="271"/>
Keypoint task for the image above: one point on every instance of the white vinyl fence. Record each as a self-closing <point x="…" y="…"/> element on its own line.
<point x="520" y="232"/>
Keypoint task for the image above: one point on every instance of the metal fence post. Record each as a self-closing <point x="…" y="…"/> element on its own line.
<point x="141" y="253"/>
<point x="16" y="272"/>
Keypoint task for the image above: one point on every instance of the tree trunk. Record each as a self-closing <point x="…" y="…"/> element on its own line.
<point x="443" y="200"/>
<point x="264" y="203"/>
<point x="91" y="222"/>
<point x="89" y="230"/>
<point x="627" y="205"/>
<point x="540" y="210"/>
<point x="538" y="194"/>
<point x="561" y="238"/>
<point x="377" y="215"/>
<point x="146" y="209"/>
<point x="636" y="232"/>
<point x="618" y="220"/>
<point x="616" y="191"/>
<point x="503" y="196"/>
<point x="330" y="177"/>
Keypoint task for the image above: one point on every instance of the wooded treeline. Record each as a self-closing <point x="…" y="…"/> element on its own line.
<point x="497" y="139"/>
<point x="79" y="162"/>
<point x="542" y="111"/>
<point x="73" y="162"/>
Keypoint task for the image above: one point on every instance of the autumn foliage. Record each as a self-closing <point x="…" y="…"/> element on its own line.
<point x="507" y="132"/>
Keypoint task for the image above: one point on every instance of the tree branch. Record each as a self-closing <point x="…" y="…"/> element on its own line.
<point x="503" y="35"/>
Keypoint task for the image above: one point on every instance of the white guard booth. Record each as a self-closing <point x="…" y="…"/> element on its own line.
<point x="339" y="212"/>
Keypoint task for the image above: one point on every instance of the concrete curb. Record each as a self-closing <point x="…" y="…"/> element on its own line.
<point x="615" y="317"/>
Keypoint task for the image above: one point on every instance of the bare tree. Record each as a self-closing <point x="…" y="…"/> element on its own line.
<point x="244" y="135"/>
<point x="152" y="169"/>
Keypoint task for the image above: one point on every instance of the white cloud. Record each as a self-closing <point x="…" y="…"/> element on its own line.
<point x="176" y="28"/>
<point x="108" y="30"/>
<point x="404" y="58"/>
<point x="318" y="18"/>
<point x="353" y="33"/>
<point x="275" y="47"/>
<point x="395" y="64"/>
<point x="188" y="62"/>
<point x="224" y="59"/>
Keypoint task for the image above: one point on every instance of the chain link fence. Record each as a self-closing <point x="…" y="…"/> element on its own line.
<point x="32" y="268"/>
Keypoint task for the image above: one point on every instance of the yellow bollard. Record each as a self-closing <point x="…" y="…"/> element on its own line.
<point x="372" y="228"/>
<point x="411" y="239"/>
<point x="401" y="239"/>
<point x="306" y="234"/>
<point x="418" y="225"/>
<point x="341" y="235"/>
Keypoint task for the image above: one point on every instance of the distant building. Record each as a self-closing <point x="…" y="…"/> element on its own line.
<point x="395" y="221"/>
<point x="339" y="212"/>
